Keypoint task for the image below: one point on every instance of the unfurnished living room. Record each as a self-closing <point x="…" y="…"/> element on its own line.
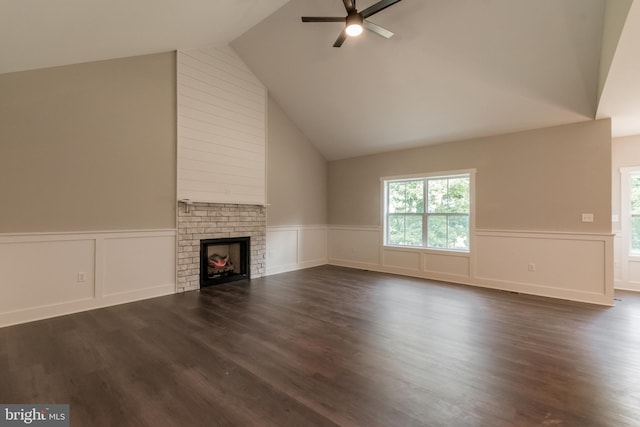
<point x="320" y="213"/>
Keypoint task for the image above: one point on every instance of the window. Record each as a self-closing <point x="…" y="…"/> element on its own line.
<point x="629" y="220"/>
<point x="634" y="210"/>
<point x="431" y="212"/>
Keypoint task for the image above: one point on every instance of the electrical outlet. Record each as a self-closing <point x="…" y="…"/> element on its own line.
<point x="587" y="217"/>
<point x="531" y="267"/>
<point x="82" y="276"/>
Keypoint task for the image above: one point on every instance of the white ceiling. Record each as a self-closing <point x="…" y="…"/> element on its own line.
<point x="45" y="33"/>
<point x="455" y="69"/>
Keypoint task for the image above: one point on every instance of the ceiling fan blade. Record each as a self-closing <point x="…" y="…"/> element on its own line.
<point x="377" y="7"/>
<point x="322" y="19"/>
<point x="378" y="29"/>
<point x="350" y="5"/>
<point x="341" y="38"/>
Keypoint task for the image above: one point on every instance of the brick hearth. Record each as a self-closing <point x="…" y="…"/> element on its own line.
<point x="214" y="221"/>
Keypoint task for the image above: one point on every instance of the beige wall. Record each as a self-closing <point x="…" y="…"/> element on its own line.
<point x="296" y="174"/>
<point x="539" y="180"/>
<point x="625" y="153"/>
<point x="89" y="146"/>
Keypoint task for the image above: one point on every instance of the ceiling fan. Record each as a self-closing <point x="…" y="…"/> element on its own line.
<point x="355" y="21"/>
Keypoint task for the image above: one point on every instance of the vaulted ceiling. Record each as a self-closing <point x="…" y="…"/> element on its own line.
<point x="455" y="69"/>
<point x="45" y="33"/>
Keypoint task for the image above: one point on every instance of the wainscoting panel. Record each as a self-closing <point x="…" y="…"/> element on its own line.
<point x="570" y="266"/>
<point x="447" y="266"/>
<point x="51" y="274"/>
<point x="562" y="265"/>
<point x="626" y="267"/>
<point x="282" y="250"/>
<point x="312" y="246"/>
<point x="450" y="264"/>
<point x="41" y="273"/>
<point x="398" y="259"/>
<point x="295" y="247"/>
<point x="357" y="247"/>
<point x="134" y="263"/>
<point x="632" y="282"/>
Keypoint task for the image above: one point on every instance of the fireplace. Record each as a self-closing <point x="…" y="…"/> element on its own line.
<point x="218" y="221"/>
<point x="224" y="260"/>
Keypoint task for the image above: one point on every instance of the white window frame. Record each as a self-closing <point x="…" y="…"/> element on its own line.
<point x="430" y="175"/>
<point x="625" y="212"/>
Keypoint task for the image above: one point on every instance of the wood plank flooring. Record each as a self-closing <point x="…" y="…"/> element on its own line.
<point x="333" y="346"/>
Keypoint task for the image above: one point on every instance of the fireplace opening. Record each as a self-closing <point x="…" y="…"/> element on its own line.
<point x="224" y="260"/>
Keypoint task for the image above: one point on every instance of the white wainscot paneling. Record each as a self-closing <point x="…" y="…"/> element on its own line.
<point x="295" y="247"/>
<point x="357" y="247"/>
<point x="360" y="247"/>
<point x="442" y="265"/>
<point x="626" y="266"/>
<point x="398" y="259"/>
<point x="632" y="276"/>
<point x="133" y="263"/>
<point x="43" y="273"/>
<point x="447" y="266"/>
<point x="51" y="274"/>
<point x="570" y="266"/>
<point x="312" y="246"/>
<point x="282" y="250"/>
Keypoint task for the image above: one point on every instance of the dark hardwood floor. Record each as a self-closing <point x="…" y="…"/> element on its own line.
<point x="333" y="346"/>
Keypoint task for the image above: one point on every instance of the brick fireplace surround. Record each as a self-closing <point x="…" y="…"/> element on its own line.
<point x="214" y="221"/>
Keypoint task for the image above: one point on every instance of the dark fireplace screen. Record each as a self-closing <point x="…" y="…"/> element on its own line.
<point x="224" y="260"/>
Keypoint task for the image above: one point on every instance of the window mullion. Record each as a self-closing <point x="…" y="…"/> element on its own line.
<point x="425" y="209"/>
<point x="449" y="200"/>
<point x="405" y="227"/>
<point x="446" y="222"/>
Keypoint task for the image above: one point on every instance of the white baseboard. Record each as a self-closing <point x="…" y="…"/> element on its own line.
<point x="627" y="287"/>
<point x="356" y="264"/>
<point x="293" y="267"/>
<point x="70" y="307"/>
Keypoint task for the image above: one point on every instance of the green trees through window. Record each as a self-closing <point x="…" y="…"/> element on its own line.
<point x="430" y="212"/>
<point x="405" y="211"/>
<point x="635" y="214"/>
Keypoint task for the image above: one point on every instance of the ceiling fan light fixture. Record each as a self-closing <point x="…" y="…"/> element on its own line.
<point x="354" y="24"/>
